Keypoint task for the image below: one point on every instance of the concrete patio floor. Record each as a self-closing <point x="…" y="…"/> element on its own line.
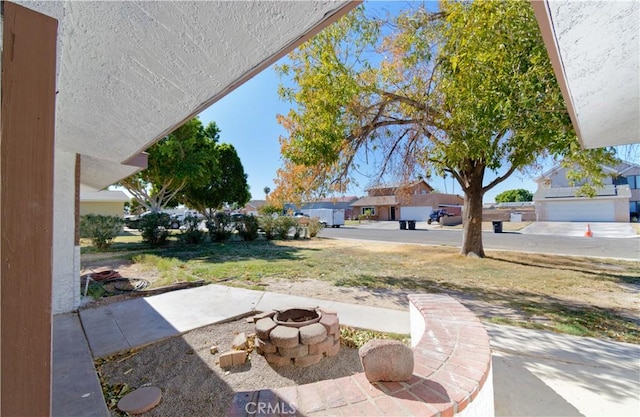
<point x="535" y="372"/>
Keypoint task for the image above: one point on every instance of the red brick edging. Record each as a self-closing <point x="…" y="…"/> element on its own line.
<point x="452" y="361"/>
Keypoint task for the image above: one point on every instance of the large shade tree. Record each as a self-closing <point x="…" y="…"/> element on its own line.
<point x="182" y="158"/>
<point x="463" y="91"/>
<point x="226" y="183"/>
<point x="514" y="196"/>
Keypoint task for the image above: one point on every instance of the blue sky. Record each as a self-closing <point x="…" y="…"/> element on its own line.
<point x="247" y="119"/>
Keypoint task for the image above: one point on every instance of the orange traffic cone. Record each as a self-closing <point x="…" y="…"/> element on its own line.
<point x="588" y="233"/>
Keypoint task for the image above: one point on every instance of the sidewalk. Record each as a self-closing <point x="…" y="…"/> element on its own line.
<point x="535" y="372"/>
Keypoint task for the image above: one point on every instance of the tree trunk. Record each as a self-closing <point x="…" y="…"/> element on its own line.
<point x="472" y="215"/>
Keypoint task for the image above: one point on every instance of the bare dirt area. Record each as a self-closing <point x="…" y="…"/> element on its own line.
<point x="488" y="287"/>
<point x="524" y="288"/>
<point x="192" y="382"/>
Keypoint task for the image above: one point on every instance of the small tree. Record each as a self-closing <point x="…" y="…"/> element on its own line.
<point x="154" y="228"/>
<point x="220" y="227"/>
<point x="268" y="225"/>
<point x="100" y="229"/>
<point x="314" y="227"/>
<point x="191" y="233"/>
<point x="283" y="225"/>
<point x="269" y="209"/>
<point x="247" y="228"/>
<point x="512" y="196"/>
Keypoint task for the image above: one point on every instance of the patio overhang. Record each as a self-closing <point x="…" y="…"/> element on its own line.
<point x="129" y="73"/>
<point x="594" y="48"/>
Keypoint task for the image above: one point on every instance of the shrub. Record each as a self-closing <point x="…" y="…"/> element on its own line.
<point x="314" y="227"/>
<point x="268" y="225"/>
<point x="100" y="229"/>
<point x="153" y="228"/>
<point x="191" y="234"/>
<point x="248" y="228"/>
<point x="269" y="209"/>
<point x="282" y="226"/>
<point x="220" y="227"/>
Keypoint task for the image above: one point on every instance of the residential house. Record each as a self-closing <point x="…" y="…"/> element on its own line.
<point x="252" y="207"/>
<point x="343" y="203"/>
<point x="404" y="201"/>
<point x="86" y="87"/>
<point x="106" y="202"/>
<point x="618" y="201"/>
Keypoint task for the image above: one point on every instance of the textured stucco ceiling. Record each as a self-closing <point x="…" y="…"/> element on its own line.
<point x="598" y="46"/>
<point x="131" y="72"/>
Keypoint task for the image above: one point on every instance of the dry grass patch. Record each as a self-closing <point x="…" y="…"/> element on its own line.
<point x="583" y="296"/>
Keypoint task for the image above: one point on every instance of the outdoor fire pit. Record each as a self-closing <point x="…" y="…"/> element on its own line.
<point x="297" y="336"/>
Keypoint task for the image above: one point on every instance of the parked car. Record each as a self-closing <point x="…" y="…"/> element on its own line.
<point x="177" y="220"/>
<point x="437" y="214"/>
<point x="236" y="217"/>
<point x="132" y="221"/>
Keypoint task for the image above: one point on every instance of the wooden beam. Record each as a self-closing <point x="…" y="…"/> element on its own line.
<point x="26" y="208"/>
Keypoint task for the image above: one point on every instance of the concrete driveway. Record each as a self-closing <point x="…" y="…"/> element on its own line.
<point x="614" y="230"/>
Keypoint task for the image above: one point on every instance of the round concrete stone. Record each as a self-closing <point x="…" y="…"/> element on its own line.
<point x="285" y="337"/>
<point x="264" y="327"/>
<point x="140" y="401"/>
<point x="386" y="360"/>
<point x="312" y="334"/>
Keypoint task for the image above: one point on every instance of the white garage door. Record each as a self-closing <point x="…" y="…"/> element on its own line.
<point x="420" y="214"/>
<point x="580" y="211"/>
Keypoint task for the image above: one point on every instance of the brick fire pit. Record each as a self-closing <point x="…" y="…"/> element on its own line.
<point x="298" y="336"/>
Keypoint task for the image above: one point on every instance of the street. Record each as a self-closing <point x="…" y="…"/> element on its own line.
<point x="513" y="241"/>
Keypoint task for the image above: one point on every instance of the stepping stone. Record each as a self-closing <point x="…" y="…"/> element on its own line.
<point x="140" y="401"/>
<point x="386" y="360"/>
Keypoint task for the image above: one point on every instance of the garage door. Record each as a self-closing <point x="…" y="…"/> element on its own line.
<point x="420" y="214"/>
<point x="580" y="211"/>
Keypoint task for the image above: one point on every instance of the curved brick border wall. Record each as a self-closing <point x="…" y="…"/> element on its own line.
<point x="452" y="375"/>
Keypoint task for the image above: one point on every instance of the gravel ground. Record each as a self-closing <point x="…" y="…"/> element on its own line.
<point x="193" y="384"/>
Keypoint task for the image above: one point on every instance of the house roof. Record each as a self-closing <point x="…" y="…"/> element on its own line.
<point x="383" y="200"/>
<point x="131" y="72"/>
<point x="594" y="48"/>
<point x="624" y="168"/>
<point x="256" y="203"/>
<point x="398" y="185"/>
<point x="627" y="168"/>
<point x="103" y="197"/>
<point x="560" y="193"/>
<point x="342" y="199"/>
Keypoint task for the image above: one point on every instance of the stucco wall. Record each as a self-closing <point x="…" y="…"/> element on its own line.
<point x="66" y="256"/>
<point x="435" y="199"/>
<point x="621" y="207"/>
<point x="104" y="208"/>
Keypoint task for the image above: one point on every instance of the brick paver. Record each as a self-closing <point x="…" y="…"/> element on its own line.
<point x="452" y="361"/>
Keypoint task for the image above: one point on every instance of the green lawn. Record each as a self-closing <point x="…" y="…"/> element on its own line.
<point x="582" y="296"/>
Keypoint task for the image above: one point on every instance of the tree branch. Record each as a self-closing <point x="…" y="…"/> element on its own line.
<point x="403" y="99"/>
<point x="499" y="179"/>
